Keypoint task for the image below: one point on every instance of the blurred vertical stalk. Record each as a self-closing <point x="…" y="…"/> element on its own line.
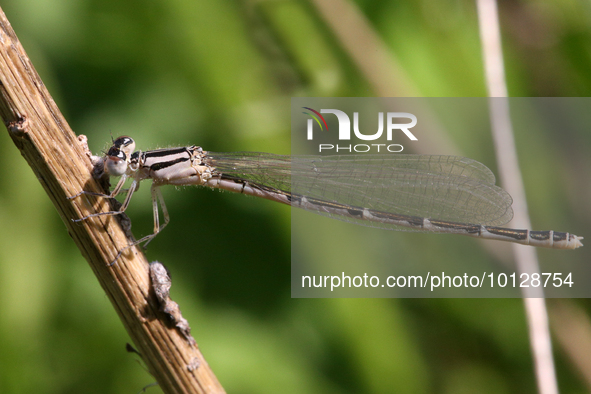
<point x="511" y="179"/>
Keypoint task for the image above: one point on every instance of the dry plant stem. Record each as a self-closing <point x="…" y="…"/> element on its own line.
<point x="50" y="147"/>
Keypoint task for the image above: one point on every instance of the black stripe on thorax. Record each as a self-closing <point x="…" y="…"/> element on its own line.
<point x="165" y="152"/>
<point x="165" y="164"/>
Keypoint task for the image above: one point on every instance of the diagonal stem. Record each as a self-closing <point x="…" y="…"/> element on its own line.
<point x="57" y="158"/>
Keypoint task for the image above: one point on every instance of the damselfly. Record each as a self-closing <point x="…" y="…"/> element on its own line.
<point x="439" y="194"/>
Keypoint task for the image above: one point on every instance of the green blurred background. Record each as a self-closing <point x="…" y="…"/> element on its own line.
<point x="220" y="74"/>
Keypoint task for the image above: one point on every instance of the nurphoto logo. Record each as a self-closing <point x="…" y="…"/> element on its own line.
<point x="395" y="121"/>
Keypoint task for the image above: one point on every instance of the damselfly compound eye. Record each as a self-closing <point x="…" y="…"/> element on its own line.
<point x="125" y="144"/>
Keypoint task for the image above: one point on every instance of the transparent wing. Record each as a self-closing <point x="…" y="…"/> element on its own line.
<point x="450" y="188"/>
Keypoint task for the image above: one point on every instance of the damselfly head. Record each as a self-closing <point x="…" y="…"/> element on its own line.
<point x="125" y="144"/>
<point x="116" y="161"/>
